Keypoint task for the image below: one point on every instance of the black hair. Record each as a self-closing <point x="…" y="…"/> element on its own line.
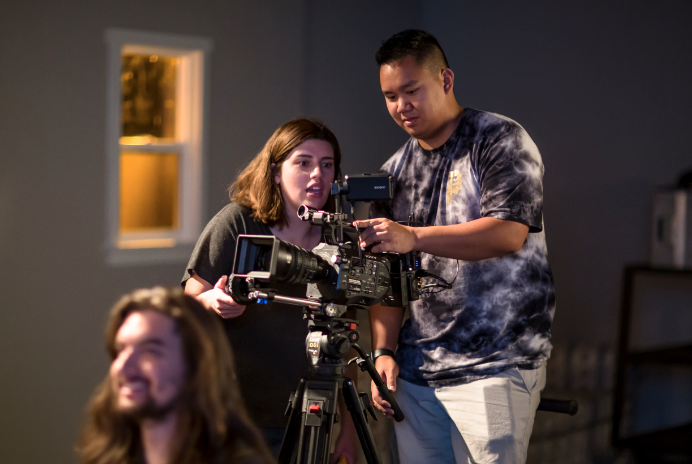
<point x="421" y="45"/>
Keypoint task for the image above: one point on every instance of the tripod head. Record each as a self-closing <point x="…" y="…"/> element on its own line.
<point x="327" y="344"/>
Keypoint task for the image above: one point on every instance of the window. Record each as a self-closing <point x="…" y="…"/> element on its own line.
<point x="155" y="145"/>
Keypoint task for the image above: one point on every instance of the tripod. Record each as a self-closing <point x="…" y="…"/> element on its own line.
<point x="312" y="407"/>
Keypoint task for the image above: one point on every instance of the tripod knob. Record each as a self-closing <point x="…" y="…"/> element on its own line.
<point x="338" y="346"/>
<point x="354" y="336"/>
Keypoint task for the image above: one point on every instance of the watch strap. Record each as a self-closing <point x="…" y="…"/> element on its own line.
<point x="382" y="352"/>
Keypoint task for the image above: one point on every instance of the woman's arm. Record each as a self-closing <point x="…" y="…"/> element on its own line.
<point x="213" y="298"/>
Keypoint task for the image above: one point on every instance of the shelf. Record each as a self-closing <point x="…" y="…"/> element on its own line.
<point x="646" y="269"/>
<point x="677" y="440"/>
<point x="675" y="355"/>
<point x="668" y="442"/>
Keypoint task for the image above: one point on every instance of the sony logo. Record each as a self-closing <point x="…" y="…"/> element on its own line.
<point x="378" y="187"/>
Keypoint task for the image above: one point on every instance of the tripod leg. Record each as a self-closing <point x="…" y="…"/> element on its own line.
<point x="319" y="408"/>
<point x="367" y="442"/>
<point x="326" y="448"/>
<point x="294" y="428"/>
<point x="307" y="436"/>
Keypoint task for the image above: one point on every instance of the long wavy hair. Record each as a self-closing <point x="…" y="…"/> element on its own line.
<point x="213" y="424"/>
<point x="255" y="187"/>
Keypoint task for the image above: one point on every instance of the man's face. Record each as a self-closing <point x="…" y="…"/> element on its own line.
<point x="415" y="97"/>
<point x="148" y="372"/>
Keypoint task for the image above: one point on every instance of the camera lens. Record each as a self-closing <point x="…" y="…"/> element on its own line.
<point x="263" y="261"/>
<point x="295" y="265"/>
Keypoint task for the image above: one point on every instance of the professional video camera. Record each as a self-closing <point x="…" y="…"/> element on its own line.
<point x="339" y="275"/>
<point x="338" y="272"/>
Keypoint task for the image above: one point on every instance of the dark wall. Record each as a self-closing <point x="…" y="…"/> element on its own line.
<point x="602" y="87"/>
<point x="343" y="77"/>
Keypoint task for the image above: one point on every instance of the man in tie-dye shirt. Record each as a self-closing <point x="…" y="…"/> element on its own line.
<point x="471" y="359"/>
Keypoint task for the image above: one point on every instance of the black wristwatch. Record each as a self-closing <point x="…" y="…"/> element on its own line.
<point x="382" y="352"/>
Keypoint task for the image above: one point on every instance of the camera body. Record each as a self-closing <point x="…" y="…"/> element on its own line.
<point x="363" y="279"/>
<point x="338" y="273"/>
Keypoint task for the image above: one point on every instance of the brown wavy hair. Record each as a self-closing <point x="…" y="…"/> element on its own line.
<point x="255" y="187"/>
<point x="213" y="424"/>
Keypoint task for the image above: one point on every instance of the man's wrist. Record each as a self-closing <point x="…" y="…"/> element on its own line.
<point x="414" y="234"/>
<point x="382" y="352"/>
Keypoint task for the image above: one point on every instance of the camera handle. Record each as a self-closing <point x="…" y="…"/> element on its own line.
<point x="365" y="363"/>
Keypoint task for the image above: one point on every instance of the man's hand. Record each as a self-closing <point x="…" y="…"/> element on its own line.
<point x="388" y="370"/>
<point x="221" y="302"/>
<point x="391" y="236"/>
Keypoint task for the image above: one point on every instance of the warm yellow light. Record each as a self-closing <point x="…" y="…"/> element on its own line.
<point x="137" y="140"/>
<point x="147" y="243"/>
<point x="148" y="191"/>
<point x="148" y="86"/>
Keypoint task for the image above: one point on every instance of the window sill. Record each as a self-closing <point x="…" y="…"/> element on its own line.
<point x="177" y="254"/>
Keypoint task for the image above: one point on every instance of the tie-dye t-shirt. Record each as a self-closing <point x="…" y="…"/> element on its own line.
<point x="499" y="312"/>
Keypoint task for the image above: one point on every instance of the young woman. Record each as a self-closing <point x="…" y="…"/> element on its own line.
<point x="296" y="166"/>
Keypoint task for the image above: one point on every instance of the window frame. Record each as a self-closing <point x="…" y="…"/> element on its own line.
<point x="192" y="107"/>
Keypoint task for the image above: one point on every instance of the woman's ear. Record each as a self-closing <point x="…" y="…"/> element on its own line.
<point x="276" y="173"/>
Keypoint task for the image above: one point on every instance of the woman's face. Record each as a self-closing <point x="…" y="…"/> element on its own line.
<point x="306" y="175"/>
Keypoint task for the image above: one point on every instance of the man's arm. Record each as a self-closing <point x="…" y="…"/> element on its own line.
<point x="482" y="238"/>
<point x="385" y="323"/>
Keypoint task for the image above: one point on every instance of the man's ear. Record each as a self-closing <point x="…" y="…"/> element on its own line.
<point x="448" y="80"/>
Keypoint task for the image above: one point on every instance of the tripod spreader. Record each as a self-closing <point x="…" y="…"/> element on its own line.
<point x="365" y="363"/>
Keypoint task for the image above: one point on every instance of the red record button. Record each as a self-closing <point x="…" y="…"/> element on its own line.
<point x="353" y="326"/>
<point x="314" y="408"/>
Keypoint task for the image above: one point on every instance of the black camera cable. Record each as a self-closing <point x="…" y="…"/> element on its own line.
<point x="442" y="284"/>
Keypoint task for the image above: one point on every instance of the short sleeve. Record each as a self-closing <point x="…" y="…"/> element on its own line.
<point x="510" y="174"/>
<point x="214" y="252"/>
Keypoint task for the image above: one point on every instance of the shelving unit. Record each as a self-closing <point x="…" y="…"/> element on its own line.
<point x="659" y="445"/>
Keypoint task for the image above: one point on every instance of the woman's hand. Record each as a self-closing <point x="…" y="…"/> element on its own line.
<point x="219" y="301"/>
<point x="346" y="445"/>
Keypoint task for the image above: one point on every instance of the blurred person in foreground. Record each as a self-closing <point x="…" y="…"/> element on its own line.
<point x="171" y="395"/>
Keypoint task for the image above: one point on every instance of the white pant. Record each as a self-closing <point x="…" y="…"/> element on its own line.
<point x="486" y="421"/>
